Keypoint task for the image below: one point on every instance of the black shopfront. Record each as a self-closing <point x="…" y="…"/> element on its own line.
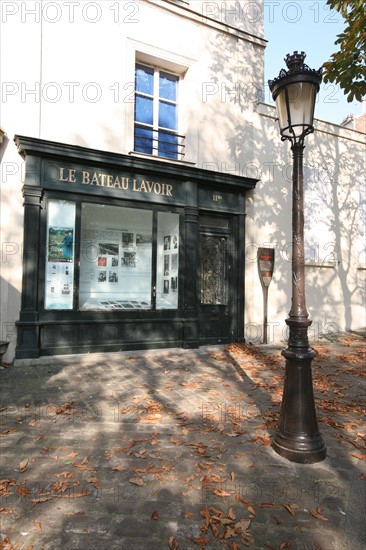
<point x="127" y="253"/>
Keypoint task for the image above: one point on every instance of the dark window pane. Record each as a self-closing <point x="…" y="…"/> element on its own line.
<point x="144" y="80"/>
<point x="144" y="110"/>
<point x="168" y="145"/>
<point x="213" y="270"/>
<point x="143" y="140"/>
<point x="168" y="86"/>
<point x="167" y="115"/>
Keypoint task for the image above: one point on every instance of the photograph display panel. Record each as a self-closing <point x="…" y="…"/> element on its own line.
<point x="167" y="261"/>
<point x="115" y="258"/>
<point x="59" y="272"/>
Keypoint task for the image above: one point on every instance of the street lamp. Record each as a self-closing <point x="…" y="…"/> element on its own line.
<point x="297" y="438"/>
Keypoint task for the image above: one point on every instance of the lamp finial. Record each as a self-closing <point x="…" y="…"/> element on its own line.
<point x="295" y="60"/>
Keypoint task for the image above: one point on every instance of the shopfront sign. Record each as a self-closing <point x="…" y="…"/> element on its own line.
<point x="92" y="180"/>
<point x="115" y="181"/>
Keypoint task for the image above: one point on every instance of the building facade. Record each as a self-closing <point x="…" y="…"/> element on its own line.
<point x="141" y="173"/>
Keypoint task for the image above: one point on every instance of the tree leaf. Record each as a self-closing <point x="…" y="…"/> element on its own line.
<point x="291" y="508"/>
<point x="173" y="543"/>
<point x="243" y="524"/>
<point x="23" y="465"/>
<point x="317" y="514"/>
<point x="137" y="481"/>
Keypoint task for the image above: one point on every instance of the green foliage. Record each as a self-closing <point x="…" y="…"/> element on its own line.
<point x="347" y="67"/>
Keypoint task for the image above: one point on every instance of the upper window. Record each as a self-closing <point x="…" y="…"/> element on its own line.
<point x="156" y="113"/>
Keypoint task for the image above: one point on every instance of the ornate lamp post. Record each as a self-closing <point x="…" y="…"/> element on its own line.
<point x="298" y="438"/>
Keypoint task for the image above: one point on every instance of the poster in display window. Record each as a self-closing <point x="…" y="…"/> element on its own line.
<point x="59" y="268"/>
<point x="170" y="265"/>
<point x="60" y="244"/>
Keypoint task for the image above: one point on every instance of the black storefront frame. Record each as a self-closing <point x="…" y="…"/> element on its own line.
<point x="51" y="319"/>
<point x="50" y="332"/>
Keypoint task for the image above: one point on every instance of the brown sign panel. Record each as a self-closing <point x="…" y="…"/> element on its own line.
<point x="265" y="258"/>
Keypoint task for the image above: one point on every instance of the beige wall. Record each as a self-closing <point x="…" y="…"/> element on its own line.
<point x="70" y="79"/>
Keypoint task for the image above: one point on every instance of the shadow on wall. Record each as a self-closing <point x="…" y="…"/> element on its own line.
<point x="255" y="145"/>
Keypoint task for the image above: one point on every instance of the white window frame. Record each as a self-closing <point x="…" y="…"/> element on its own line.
<point x="156" y="100"/>
<point x="145" y="54"/>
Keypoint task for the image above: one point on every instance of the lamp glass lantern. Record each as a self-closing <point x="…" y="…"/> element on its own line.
<point x="294" y="92"/>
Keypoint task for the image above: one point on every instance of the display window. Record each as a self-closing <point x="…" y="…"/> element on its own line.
<point x="167" y="261"/>
<point x="59" y="287"/>
<point x="129" y="258"/>
<point x="115" y="258"/>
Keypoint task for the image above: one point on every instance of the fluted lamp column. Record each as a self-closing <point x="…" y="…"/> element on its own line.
<point x="297" y="438"/>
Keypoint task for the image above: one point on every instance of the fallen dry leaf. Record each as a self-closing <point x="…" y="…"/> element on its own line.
<point x="221" y="493"/>
<point x="291" y="508"/>
<point x="119" y="468"/>
<point x="23" y="465"/>
<point x="243" y="525"/>
<point x="231" y="514"/>
<point x="230" y="532"/>
<point x="37" y="526"/>
<point x="23" y="491"/>
<point x="251" y="509"/>
<point x="173" y="543"/>
<point x="155" y="516"/>
<point x="137" y="481"/>
<point x="41" y="499"/>
<point x="65" y="474"/>
<point x="5" y="483"/>
<point x="318" y="514"/>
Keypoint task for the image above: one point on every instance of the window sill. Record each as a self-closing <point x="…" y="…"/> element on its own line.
<point x="320" y="264"/>
<point x="162" y="159"/>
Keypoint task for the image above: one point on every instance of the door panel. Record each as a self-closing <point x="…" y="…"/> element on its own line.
<point x="215" y="287"/>
<point x="213" y="270"/>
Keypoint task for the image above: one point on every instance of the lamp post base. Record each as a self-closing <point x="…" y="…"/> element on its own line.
<point x="298" y="438"/>
<point x="303" y="449"/>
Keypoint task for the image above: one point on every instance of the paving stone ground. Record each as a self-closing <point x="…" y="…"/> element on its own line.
<point x="172" y="449"/>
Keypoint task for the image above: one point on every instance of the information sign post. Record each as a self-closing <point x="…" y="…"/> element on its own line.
<point x="265" y="259"/>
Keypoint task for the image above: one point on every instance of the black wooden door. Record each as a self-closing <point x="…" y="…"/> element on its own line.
<point x="215" y="280"/>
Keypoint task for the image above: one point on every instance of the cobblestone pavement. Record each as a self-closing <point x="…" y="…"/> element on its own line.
<point x="172" y="449"/>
